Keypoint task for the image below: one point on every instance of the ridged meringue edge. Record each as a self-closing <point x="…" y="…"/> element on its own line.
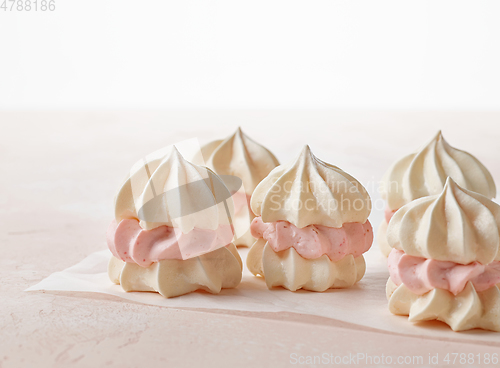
<point x="382" y="242"/>
<point x="309" y="191"/>
<point x="241" y="223"/>
<point x="289" y="270"/>
<point x="424" y="173"/>
<point x="241" y="156"/>
<point x="171" y="173"/>
<point x="469" y="309"/>
<point x="220" y="269"/>
<point x="457" y="225"/>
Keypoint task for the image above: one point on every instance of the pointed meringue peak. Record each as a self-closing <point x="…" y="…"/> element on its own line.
<point x="424" y="173"/>
<point x="238" y="135"/>
<point x="306" y="154"/>
<point x="437" y="140"/>
<point x="240" y="156"/>
<point x="171" y="191"/>
<point x="175" y="153"/>
<point x="307" y="159"/>
<point x="175" y="157"/>
<point x="456" y="225"/>
<point x="311" y="192"/>
<point x="449" y="185"/>
<point x="306" y="151"/>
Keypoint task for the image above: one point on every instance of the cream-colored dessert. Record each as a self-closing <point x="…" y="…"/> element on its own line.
<point x="172" y="231"/>
<point x="312" y="226"/>
<point x="424" y="173"/>
<point x="240" y="156"/>
<point x="445" y="262"/>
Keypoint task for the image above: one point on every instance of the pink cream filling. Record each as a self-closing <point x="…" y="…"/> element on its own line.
<point x="129" y="242"/>
<point x="240" y="200"/>
<point x="421" y="275"/>
<point x="313" y="241"/>
<point x="388" y="214"/>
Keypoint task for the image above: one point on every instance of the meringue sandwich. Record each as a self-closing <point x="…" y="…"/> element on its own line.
<point x="424" y="173"/>
<point x="240" y="156"/>
<point x="311" y="227"/>
<point x="445" y="262"/>
<point x="172" y="231"/>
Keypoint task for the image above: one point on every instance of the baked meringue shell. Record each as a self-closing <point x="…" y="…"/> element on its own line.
<point x="290" y="271"/>
<point x="311" y="192"/>
<point x="200" y="188"/>
<point x="457" y="225"/>
<point x="467" y="310"/>
<point x="220" y="269"/>
<point x="425" y="172"/>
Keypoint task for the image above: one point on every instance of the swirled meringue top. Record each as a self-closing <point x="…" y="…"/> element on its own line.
<point x="240" y="156"/>
<point x="311" y="192"/>
<point x="424" y="173"/>
<point x="457" y="225"/>
<point x="170" y="191"/>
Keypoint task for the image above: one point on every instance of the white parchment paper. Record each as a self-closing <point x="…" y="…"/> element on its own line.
<point x="364" y="304"/>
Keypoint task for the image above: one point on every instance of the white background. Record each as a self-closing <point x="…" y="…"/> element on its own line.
<point x="252" y="54"/>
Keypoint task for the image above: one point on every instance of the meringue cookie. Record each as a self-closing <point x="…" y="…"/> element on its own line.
<point x="457" y="225"/>
<point x="425" y="172"/>
<point x="173" y="229"/>
<point x="444" y="264"/>
<point x="311" y="192"/>
<point x="240" y="156"/>
<point x="303" y="243"/>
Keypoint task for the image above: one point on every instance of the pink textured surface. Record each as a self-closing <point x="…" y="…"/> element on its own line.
<point x="60" y="172"/>
<point x="240" y="201"/>
<point x="421" y="275"/>
<point x="388" y="213"/>
<point x="313" y="241"/>
<point x="129" y="242"/>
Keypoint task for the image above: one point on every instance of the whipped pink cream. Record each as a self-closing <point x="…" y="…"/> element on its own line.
<point x="421" y="275"/>
<point x="129" y="242"/>
<point x="389" y="213"/>
<point x="240" y="200"/>
<point x="313" y="241"/>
